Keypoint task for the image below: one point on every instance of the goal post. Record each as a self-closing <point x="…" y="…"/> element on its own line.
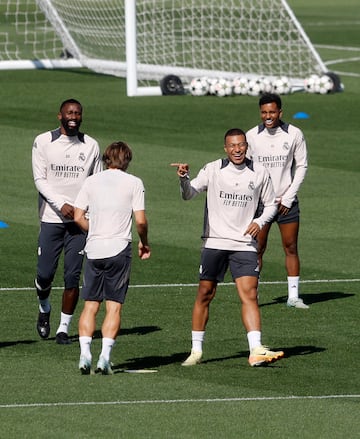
<point x="132" y="88"/>
<point x="146" y="40"/>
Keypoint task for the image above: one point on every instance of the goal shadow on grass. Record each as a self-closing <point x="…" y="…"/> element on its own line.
<point x="312" y="298"/>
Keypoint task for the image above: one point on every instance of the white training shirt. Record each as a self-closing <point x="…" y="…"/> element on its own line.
<point x="110" y="197"/>
<point x="60" y="165"/>
<point x="282" y="151"/>
<point x="233" y="194"/>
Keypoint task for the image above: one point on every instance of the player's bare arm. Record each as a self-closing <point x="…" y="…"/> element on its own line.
<point x="80" y="219"/>
<point x="144" y="251"/>
<point x="67" y="211"/>
<point x="283" y="209"/>
<point x="142" y="230"/>
<point x="182" y="168"/>
<point x="253" y="230"/>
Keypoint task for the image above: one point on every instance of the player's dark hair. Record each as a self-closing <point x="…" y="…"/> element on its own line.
<point x="234" y="132"/>
<point x="269" y="98"/>
<point x="70" y="101"/>
<point x="117" y="155"/>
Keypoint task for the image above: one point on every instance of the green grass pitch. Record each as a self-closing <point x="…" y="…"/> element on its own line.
<point x="314" y="392"/>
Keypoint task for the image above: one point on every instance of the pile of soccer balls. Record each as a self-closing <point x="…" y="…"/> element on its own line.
<point x="241" y="85"/>
<point x="323" y="84"/>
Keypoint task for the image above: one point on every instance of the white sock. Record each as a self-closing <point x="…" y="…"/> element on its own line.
<point x="44" y="305"/>
<point x="65" y="320"/>
<point x="107" y="345"/>
<point x="197" y="338"/>
<point x="293" y="287"/>
<point x="85" y="346"/>
<point x="254" y="339"/>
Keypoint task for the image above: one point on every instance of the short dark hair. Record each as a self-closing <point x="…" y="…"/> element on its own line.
<point x="234" y="132"/>
<point x="269" y="98"/>
<point x="117" y="155"/>
<point x="70" y="101"/>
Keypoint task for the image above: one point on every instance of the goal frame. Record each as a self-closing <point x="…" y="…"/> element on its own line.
<point x="131" y="55"/>
<point x="130" y="68"/>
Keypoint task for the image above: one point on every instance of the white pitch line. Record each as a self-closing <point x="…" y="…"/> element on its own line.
<point x="178" y="401"/>
<point x="338" y="23"/>
<point x="343" y="60"/>
<point x="349" y="74"/>
<point x="275" y="282"/>
<point x="342" y="48"/>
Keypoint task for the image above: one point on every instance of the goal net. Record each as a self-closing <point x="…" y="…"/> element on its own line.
<point x="144" y="40"/>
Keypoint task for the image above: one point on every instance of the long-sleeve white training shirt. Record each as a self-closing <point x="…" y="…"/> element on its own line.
<point x="282" y="151"/>
<point x="60" y="166"/>
<point x="233" y="195"/>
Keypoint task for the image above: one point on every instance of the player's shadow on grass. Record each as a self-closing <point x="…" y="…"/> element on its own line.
<point x="6" y="344"/>
<point x="153" y="362"/>
<point x="302" y="350"/>
<point x="309" y="299"/>
<point x="150" y="362"/>
<point x="137" y="330"/>
<point x="288" y="352"/>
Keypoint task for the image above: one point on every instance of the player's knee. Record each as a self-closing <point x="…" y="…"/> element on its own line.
<point x="205" y="295"/>
<point x="71" y="281"/>
<point x="43" y="287"/>
<point x="291" y="249"/>
<point x="248" y="296"/>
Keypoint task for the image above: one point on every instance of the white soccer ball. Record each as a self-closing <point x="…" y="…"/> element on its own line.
<point x="211" y="84"/>
<point x="312" y="84"/>
<point x="222" y="87"/>
<point x="199" y="86"/>
<point x="266" y="84"/>
<point x="326" y="85"/>
<point x="240" y="85"/>
<point x="281" y="85"/>
<point x="254" y="87"/>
